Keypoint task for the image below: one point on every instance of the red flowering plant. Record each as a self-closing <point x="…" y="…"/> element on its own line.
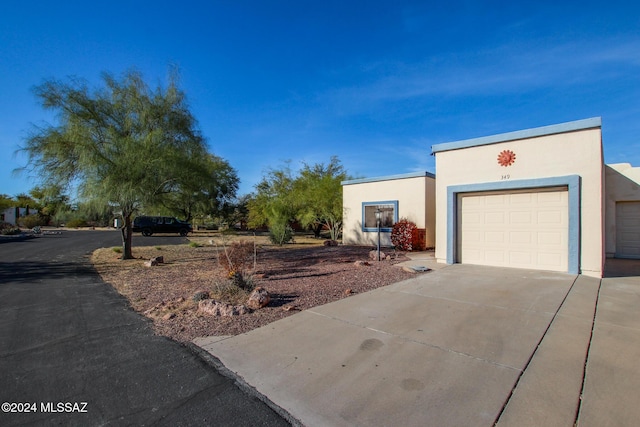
<point x="402" y="234"/>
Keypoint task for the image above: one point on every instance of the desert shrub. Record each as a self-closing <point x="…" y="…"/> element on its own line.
<point x="77" y="223"/>
<point x="8" y="229"/>
<point x="194" y="244"/>
<point x="280" y="233"/>
<point x="402" y="234"/>
<point x="238" y="259"/>
<point x="200" y="296"/>
<point x="227" y="291"/>
<point x="31" y="221"/>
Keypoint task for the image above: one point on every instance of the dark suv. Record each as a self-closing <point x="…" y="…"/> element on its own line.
<point x="160" y="224"/>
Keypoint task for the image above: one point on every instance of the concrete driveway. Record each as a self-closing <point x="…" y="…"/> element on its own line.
<point x="462" y="345"/>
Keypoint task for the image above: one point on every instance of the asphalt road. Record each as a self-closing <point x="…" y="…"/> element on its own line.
<point x="72" y="352"/>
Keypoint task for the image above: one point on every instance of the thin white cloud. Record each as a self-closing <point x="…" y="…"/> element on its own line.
<point x="500" y="70"/>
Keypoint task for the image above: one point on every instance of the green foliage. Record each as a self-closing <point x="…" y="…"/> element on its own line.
<point x="126" y="144"/>
<point x="6" y="202"/>
<point x="280" y="232"/>
<point x="117" y="249"/>
<point x="194" y="244"/>
<point x="31" y="221"/>
<point x="314" y="198"/>
<point x="207" y="187"/>
<point x="319" y="191"/>
<point x="402" y="234"/>
<point x="77" y="223"/>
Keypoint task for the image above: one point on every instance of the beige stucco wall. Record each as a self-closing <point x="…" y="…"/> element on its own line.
<point x="572" y="153"/>
<point x="622" y="183"/>
<point x="416" y="202"/>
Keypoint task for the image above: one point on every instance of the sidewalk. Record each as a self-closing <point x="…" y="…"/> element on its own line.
<point x="461" y="345"/>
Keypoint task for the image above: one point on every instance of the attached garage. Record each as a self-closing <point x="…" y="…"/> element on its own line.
<point x="523" y="229"/>
<point x="529" y="199"/>
<point x="628" y="230"/>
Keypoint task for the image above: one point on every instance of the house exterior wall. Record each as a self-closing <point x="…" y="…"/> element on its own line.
<point x="11" y="215"/>
<point x="413" y="193"/>
<point x="622" y="183"/>
<point x="568" y="154"/>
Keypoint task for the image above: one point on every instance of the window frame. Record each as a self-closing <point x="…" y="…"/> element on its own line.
<point x="394" y="203"/>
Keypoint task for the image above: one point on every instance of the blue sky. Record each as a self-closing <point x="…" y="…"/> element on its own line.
<point x="375" y="83"/>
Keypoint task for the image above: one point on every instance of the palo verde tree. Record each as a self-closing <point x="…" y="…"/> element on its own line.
<point x="274" y="204"/>
<point x="319" y="193"/>
<point x="204" y="189"/>
<point x="123" y="144"/>
<point x="313" y="197"/>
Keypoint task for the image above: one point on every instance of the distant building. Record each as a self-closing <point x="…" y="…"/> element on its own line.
<point x="11" y="215"/>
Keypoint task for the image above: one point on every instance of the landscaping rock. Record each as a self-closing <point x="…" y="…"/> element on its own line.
<point x="361" y="263"/>
<point x="374" y="255"/>
<point x="150" y="263"/>
<point x="258" y="298"/>
<point x="158" y="259"/>
<point x="216" y="308"/>
<point x="168" y="316"/>
<point x="330" y="243"/>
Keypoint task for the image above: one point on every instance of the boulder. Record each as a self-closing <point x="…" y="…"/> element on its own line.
<point x="374" y="255"/>
<point x="217" y="308"/>
<point x="258" y="298"/>
<point x="150" y="263"/>
<point x="330" y="243"/>
<point x="158" y="259"/>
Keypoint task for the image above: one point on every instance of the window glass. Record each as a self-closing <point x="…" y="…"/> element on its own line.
<point x="387" y="216"/>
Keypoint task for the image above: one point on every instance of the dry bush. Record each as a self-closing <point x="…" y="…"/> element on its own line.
<point x="229" y="292"/>
<point x="238" y="258"/>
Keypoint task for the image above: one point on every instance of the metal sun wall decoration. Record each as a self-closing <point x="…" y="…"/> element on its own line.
<point x="506" y="158"/>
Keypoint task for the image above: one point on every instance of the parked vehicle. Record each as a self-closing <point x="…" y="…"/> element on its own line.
<point x="148" y="225"/>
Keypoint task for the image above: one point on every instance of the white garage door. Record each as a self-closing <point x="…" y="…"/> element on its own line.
<point x="628" y="229"/>
<point x="527" y="229"/>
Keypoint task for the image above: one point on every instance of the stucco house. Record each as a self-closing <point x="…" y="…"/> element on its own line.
<point x="410" y="196"/>
<point x="539" y="198"/>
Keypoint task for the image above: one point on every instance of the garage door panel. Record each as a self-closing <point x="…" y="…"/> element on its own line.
<point x="520" y="259"/>
<point x="493" y="256"/>
<point x="551" y="217"/>
<point x="523" y="229"/>
<point x="550" y="197"/>
<point x="628" y="230"/>
<point x="494" y="237"/>
<point x="520" y="217"/>
<point x="550" y="238"/>
<point x="520" y="237"/>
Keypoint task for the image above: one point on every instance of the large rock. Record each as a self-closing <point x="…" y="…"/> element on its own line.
<point x="374" y="255"/>
<point x="258" y="298"/>
<point x="217" y="308"/>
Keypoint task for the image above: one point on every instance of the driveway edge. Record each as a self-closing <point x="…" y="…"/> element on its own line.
<point x="215" y="363"/>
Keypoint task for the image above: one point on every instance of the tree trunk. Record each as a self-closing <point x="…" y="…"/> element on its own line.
<point x="317" y="229"/>
<point x="127" y="235"/>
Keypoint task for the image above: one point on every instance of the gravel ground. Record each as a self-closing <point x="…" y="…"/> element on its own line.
<point x="297" y="277"/>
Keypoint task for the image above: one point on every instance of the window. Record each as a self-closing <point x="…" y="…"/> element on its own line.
<point x="388" y="217"/>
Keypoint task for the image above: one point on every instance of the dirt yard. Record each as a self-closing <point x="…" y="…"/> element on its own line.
<point x="297" y="276"/>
